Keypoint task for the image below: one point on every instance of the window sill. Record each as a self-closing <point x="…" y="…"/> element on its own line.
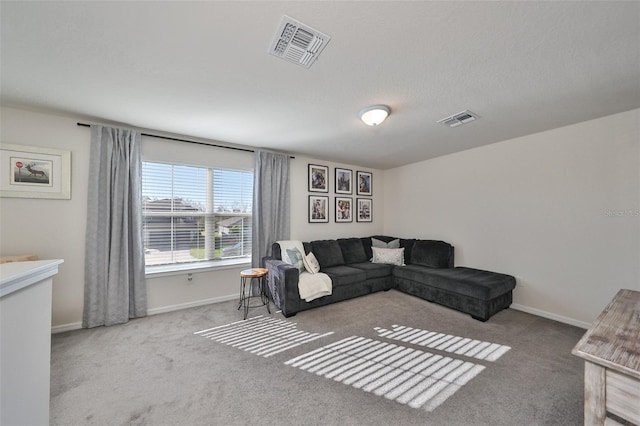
<point x="180" y="269"/>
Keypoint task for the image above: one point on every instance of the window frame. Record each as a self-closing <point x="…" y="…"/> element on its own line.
<point x="176" y="268"/>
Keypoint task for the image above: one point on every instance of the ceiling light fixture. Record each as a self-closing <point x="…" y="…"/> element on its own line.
<point x="374" y="115"/>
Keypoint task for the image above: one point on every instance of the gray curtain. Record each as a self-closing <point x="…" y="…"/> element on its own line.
<point x="115" y="288"/>
<point x="271" y="203"/>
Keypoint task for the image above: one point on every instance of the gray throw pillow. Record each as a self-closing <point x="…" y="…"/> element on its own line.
<point x="381" y="244"/>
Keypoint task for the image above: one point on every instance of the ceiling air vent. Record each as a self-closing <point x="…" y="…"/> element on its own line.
<point x="298" y="43"/>
<point x="459" y="119"/>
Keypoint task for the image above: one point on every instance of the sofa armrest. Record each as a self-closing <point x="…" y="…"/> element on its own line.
<point x="283" y="285"/>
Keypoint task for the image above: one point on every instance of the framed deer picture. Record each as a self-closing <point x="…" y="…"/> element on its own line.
<point x="32" y="172"/>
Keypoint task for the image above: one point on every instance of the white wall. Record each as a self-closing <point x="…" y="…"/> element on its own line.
<point x="559" y="210"/>
<point x="556" y="209"/>
<point x="50" y="229"/>
<point x="56" y="228"/>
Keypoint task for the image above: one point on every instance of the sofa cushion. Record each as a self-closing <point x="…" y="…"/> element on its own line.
<point x="407" y="245"/>
<point x="345" y="275"/>
<point x="328" y="253"/>
<point x="366" y="244"/>
<point x="483" y="285"/>
<point x="352" y="250"/>
<point x="276" y="251"/>
<point x="434" y="254"/>
<point x="374" y="270"/>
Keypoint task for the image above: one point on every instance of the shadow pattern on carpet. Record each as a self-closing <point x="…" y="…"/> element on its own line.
<point x="405" y="375"/>
<point x="418" y="379"/>
<point x="263" y="336"/>
<point x="444" y="342"/>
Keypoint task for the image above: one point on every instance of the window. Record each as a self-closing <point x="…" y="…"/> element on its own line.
<point x="195" y="214"/>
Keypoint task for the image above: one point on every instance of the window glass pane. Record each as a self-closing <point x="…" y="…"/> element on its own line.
<point x="194" y="214"/>
<point x="173" y="239"/>
<point x="189" y="188"/>
<point x="173" y="188"/>
<point x="233" y="236"/>
<point x="233" y="191"/>
<point x="156" y="186"/>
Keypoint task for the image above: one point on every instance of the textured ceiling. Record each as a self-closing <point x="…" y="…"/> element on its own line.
<point x="201" y="69"/>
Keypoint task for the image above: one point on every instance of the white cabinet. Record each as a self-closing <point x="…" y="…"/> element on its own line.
<point x="25" y="341"/>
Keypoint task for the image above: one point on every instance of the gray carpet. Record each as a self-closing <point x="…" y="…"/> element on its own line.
<point x="204" y="366"/>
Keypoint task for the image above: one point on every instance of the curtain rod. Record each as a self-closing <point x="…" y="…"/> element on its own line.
<point x="187" y="141"/>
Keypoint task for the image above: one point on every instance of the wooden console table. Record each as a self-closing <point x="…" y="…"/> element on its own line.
<point x="611" y="350"/>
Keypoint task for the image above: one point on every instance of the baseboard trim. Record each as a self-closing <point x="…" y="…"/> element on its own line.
<point x="66" y="327"/>
<point x="155" y="311"/>
<point x="194" y="304"/>
<point x="549" y="315"/>
<point x="78" y="325"/>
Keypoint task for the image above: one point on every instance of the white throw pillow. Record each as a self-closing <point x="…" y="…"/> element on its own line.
<point x="311" y="263"/>
<point x="388" y="255"/>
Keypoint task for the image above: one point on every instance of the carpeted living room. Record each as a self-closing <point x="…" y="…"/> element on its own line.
<point x="326" y="213"/>
<point x="159" y="371"/>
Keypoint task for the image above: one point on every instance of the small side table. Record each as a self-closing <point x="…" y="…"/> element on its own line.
<point x="246" y="279"/>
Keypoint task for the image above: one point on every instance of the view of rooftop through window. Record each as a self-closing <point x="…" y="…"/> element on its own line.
<point x="195" y="214"/>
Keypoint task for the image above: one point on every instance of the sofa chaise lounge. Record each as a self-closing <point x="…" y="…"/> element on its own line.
<point x="428" y="273"/>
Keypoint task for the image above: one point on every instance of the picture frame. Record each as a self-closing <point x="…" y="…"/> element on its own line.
<point x="343" y="181"/>
<point x="344" y="209"/>
<point x="318" y="178"/>
<point x="35" y="172"/>
<point x="318" y="209"/>
<point x="364" y="183"/>
<point x="364" y="212"/>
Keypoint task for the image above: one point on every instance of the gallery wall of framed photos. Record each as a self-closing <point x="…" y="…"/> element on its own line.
<point x="346" y="183"/>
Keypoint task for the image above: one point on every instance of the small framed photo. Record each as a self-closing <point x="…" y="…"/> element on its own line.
<point x="365" y="209"/>
<point x="318" y="178"/>
<point x="364" y="183"/>
<point x="33" y="172"/>
<point x="318" y="209"/>
<point x="344" y="177"/>
<point x="344" y="207"/>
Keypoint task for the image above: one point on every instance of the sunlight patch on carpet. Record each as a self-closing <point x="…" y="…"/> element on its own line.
<point x="444" y="342"/>
<point x="405" y="375"/>
<point x="260" y="335"/>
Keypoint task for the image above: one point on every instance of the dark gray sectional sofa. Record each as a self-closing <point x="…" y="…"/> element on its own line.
<point x="429" y="273"/>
